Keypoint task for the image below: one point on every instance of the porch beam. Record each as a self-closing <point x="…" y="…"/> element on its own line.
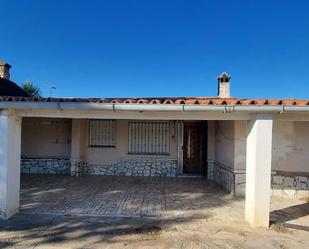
<point x="155" y="115"/>
<point x="258" y="170"/>
<point x="83" y="114"/>
<point x="10" y="148"/>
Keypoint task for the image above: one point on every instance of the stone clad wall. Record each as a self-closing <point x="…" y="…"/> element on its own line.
<point x="210" y="169"/>
<point x="285" y="184"/>
<point x="223" y="176"/>
<point x="135" y="167"/>
<point x="290" y="184"/>
<point x="231" y="180"/>
<point x="45" y="166"/>
<point x="128" y="167"/>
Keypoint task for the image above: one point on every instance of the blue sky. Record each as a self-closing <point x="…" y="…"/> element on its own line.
<point x="158" y="47"/>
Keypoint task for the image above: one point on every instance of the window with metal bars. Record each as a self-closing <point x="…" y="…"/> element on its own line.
<point x="102" y="133"/>
<point x="150" y="138"/>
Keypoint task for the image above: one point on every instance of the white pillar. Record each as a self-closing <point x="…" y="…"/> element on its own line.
<point x="77" y="144"/>
<point x="258" y="170"/>
<point x="179" y="147"/>
<point x="10" y="146"/>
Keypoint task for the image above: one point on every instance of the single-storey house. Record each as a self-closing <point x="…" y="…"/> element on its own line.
<point x="251" y="147"/>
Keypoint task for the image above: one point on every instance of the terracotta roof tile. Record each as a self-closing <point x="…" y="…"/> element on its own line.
<point x="155" y="101"/>
<point x="167" y="100"/>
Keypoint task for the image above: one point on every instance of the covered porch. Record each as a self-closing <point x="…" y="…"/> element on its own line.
<point x="255" y="151"/>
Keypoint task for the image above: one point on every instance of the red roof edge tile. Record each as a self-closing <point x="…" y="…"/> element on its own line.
<point x="169" y="100"/>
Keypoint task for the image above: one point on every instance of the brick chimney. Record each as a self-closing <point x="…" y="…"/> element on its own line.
<point x="4" y="70"/>
<point x="224" y="90"/>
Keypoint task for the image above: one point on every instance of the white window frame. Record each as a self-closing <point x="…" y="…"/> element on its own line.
<point x="102" y="133"/>
<point x="149" y="137"/>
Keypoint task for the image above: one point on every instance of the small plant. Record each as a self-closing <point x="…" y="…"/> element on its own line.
<point x="32" y="89"/>
<point x="279" y="227"/>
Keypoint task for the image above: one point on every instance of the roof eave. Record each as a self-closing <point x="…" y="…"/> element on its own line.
<point x="24" y="105"/>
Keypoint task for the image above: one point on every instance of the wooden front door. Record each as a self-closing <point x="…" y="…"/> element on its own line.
<point x="192" y="147"/>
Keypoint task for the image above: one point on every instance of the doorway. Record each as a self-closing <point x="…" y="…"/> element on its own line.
<point x="195" y="148"/>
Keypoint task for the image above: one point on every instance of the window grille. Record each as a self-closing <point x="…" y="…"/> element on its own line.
<point x="149" y="138"/>
<point x="102" y="133"/>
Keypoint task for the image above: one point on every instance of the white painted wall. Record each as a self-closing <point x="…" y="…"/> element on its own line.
<point x="46" y="137"/>
<point x="240" y="129"/>
<point x="290" y="146"/>
<point x="113" y="155"/>
<point x="225" y="143"/>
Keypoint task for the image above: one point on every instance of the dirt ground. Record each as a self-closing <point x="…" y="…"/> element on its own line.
<point x="58" y="231"/>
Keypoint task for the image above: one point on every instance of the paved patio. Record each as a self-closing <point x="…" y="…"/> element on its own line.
<point x="150" y="197"/>
<point x="112" y="196"/>
<point x="109" y="212"/>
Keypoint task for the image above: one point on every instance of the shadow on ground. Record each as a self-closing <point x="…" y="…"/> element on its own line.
<point x="53" y="229"/>
<point x="294" y="212"/>
<point x="98" y="209"/>
<point x="92" y="212"/>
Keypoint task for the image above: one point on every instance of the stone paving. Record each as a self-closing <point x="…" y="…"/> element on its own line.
<point x="151" y="197"/>
<point x="109" y="212"/>
<point x="121" y="196"/>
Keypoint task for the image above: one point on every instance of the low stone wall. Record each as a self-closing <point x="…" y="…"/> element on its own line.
<point x="290" y="184"/>
<point x="285" y="184"/>
<point x="135" y="167"/>
<point x="128" y="167"/>
<point x="223" y="176"/>
<point x="210" y="169"/>
<point x="231" y="180"/>
<point x="45" y="165"/>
